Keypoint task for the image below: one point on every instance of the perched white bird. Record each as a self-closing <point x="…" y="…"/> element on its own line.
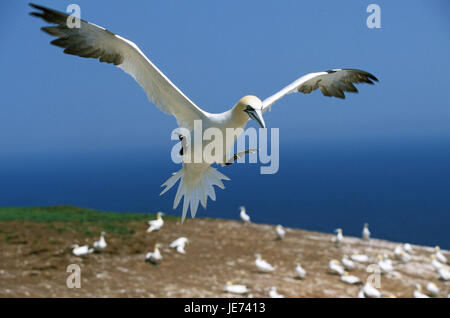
<point x="336" y="267"/>
<point x="436" y="264"/>
<point x="338" y="238"/>
<point x="385" y="264"/>
<point x="274" y="294"/>
<point x="197" y="177"/>
<point x="366" y="232"/>
<point x="405" y="257"/>
<point x="154" y="257"/>
<point x="432" y="289"/>
<point x="407" y="248"/>
<point x="280" y="232"/>
<point x="444" y="273"/>
<point x="81" y="250"/>
<point x="398" y="252"/>
<point x="350" y="279"/>
<point x="156" y="225"/>
<point x="301" y="272"/>
<point x="244" y="216"/>
<point x="235" y="289"/>
<point x="348" y="263"/>
<point x="439" y="256"/>
<point x="100" y="244"/>
<point x="262" y="265"/>
<point x="361" y="258"/>
<point x="418" y="292"/>
<point x="368" y="291"/>
<point x="180" y="244"/>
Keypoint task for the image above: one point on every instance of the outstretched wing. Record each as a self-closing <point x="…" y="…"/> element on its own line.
<point x="331" y="83"/>
<point x="90" y="40"/>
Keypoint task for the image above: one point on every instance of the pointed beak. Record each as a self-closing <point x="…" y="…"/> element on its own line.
<point x="256" y="115"/>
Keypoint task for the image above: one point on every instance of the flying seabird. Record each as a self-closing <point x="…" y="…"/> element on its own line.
<point x="196" y="179"/>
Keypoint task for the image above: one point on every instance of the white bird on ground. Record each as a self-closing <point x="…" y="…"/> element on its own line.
<point x="274" y="294"/>
<point x="407" y="248"/>
<point x="439" y="256"/>
<point x="398" y="252"/>
<point x="385" y="264"/>
<point x="361" y="258"/>
<point x="350" y="279"/>
<point x="301" y="272"/>
<point x="444" y="273"/>
<point x="100" y="244"/>
<point x="368" y="291"/>
<point x="280" y="232"/>
<point x="338" y="238"/>
<point x="235" y="289"/>
<point x="366" y="232"/>
<point x="197" y="177"/>
<point x="348" y="263"/>
<point x="336" y="267"/>
<point x="405" y="257"/>
<point x="154" y="257"/>
<point x="262" y="265"/>
<point x="81" y="250"/>
<point x="156" y="225"/>
<point x="436" y="264"/>
<point x="432" y="289"/>
<point x="418" y="292"/>
<point x="180" y="244"/>
<point x="244" y="216"/>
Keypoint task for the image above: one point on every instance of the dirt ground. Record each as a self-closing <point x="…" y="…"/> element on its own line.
<point x="34" y="258"/>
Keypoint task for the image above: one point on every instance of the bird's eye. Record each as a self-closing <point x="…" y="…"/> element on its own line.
<point x="249" y="108"/>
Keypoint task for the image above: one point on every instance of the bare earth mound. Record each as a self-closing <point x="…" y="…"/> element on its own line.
<point x="34" y="257"/>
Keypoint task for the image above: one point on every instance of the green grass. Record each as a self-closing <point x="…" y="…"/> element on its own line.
<point x="82" y="220"/>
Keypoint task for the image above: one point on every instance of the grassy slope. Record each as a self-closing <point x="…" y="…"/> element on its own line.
<point x="79" y="219"/>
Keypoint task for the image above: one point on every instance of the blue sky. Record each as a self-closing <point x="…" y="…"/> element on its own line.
<point x="217" y="52"/>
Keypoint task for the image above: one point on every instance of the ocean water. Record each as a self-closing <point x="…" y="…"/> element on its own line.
<point x="402" y="189"/>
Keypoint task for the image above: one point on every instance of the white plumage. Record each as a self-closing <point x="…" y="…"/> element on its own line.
<point x="156" y="225"/>
<point x="444" y="273"/>
<point x="338" y="238"/>
<point x="385" y="264"/>
<point x="436" y="264"/>
<point x="179" y="244"/>
<point x="439" y="256"/>
<point x="263" y="265"/>
<point x="154" y="257"/>
<point x="336" y="267"/>
<point x="418" y="292"/>
<point x="350" y="279"/>
<point x="361" y="258"/>
<point x="196" y="180"/>
<point x="301" y="272"/>
<point x="368" y="291"/>
<point x="407" y="248"/>
<point x="235" y="289"/>
<point x="101" y="243"/>
<point x="348" y="263"/>
<point x="81" y="250"/>
<point x="432" y="289"/>
<point x="244" y="216"/>
<point x="366" y="232"/>
<point x="274" y="294"/>
<point x="281" y="232"/>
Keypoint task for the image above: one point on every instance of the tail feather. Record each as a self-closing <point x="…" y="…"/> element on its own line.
<point x="197" y="183"/>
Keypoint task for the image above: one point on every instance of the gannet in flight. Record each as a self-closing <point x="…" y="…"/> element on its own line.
<point x="179" y="244"/>
<point x="440" y="257"/>
<point x="301" y="272"/>
<point x="235" y="289"/>
<point x="156" y="225"/>
<point x="366" y="232"/>
<point x="100" y="244"/>
<point x="196" y="179"/>
<point x="274" y="294"/>
<point x="280" y="232"/>
<point x="154" y="257"/>
<point x="263" y="265"/>
<point x="244" y="216"/>
<point x="81" y="250"/>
